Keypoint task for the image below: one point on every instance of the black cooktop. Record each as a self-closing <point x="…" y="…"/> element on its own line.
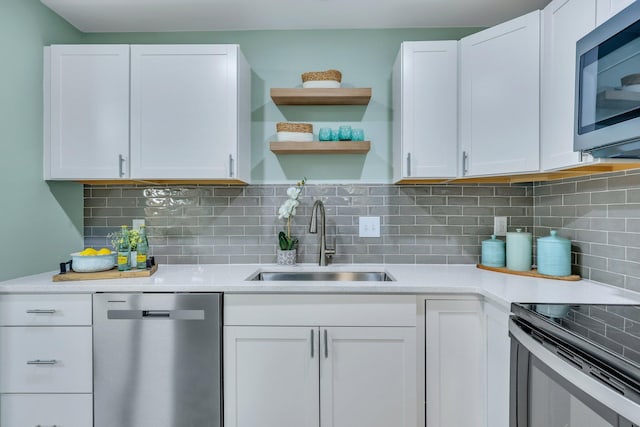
<point x="612" y="329"/>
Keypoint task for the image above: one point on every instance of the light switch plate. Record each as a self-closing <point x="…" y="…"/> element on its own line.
<point x="369" y="226"/>
<point x="500" y="225"/>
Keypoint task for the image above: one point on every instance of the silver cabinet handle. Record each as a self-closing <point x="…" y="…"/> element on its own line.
<point x="121" y="161"/>
<point x="41" y="311"/>
<point x="312" y="339"/>
<point x="408" y="164"/>
<point x="53" y="425"/>
<point x="465" y="162"/>
<point x="326" y="345"/>
<point x="42" y="362"/>
<point x="230" y="166"/>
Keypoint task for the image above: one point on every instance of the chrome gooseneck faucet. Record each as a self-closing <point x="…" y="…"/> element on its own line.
<point x="313" y="228"/>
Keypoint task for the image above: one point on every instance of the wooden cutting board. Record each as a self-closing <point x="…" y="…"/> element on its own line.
<point x="531" y="273"/>
<point x="71" y="276"/>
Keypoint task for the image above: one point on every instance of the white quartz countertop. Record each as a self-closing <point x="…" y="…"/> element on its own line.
<point x="409" y="279"/>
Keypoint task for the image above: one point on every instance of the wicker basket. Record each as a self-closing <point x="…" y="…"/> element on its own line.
<point x="294" y="127"/>
<point x="322" y="75"/>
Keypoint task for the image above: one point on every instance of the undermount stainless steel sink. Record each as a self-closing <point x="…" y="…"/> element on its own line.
<point x="330" y="276"/>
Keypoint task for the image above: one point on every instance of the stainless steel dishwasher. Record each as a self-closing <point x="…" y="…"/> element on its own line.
<point x="157" y="360"/>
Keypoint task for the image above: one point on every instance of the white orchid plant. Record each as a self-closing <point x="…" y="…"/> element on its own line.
<point x="288" y="211"/>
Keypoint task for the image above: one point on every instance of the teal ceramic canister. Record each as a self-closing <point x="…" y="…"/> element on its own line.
<point x="493" y="254"/>
<point x="519" y="250"/>
<point x="554" y="255"/>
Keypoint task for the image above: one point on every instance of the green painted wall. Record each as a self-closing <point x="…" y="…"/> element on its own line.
<point x="278" y="58"/>
<point x="40" y="223"/>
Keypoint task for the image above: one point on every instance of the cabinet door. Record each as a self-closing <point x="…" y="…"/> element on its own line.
<point x="426" y="110"/>
<point x="68" y="410"/>
<point x="86" y="111"/>
<point x="455" y="363"/>
<point x="608" y="8"/>
<point x="498" y="349"/>
<point x="564" y="22"/>
<point x="271" y="376"/>
<point x="500" y="92"/>
<point x="183" y="111"/>
<point x="367" y="377"/>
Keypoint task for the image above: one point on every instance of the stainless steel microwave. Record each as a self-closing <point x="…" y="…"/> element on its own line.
<point x="607" y="113"/>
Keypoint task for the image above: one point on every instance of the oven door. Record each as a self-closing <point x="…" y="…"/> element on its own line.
<point x="548" y="391"/>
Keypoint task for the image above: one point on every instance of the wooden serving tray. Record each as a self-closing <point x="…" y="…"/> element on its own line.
<point x="531" y="273"/>
<point x="71" y="276"/>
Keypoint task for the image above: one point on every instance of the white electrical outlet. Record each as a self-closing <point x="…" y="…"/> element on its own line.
<point x="500" y="225"/>
<point x="136" y="223"/>
<point x="369" y="226"/>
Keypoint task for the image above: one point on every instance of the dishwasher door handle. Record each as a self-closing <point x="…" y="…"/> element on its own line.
<point x="155" y="314"/>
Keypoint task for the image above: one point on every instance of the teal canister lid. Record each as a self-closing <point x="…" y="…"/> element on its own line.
<point x="519" y="250"/>
<point x="493" y="252"/>
<point x="554" y="255"/>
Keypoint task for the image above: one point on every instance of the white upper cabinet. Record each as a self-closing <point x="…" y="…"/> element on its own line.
<point x="564" y="22"/>
<point x="608" y="8"/>
<point x="86" y="112"/>
<point x="148" y="112"/>
<point x="425" y="111"/>
<point x="500" y="98"/>
<point x="185" y="111"/>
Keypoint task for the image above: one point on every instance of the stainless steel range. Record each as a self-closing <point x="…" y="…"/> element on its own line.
<point x="575" y="365"/>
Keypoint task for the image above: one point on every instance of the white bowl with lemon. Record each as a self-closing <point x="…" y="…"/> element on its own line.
<point x="91" y="260"/>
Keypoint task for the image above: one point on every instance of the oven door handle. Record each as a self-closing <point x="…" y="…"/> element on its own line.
<point x="607" y="396"/>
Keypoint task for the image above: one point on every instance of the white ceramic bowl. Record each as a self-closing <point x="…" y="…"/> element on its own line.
<point x="92" y="263"/>
<point x="324" y="84"/>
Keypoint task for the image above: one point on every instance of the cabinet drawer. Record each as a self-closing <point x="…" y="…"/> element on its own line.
<point x="319" y="310"/>
<point x="26" y="410"/>
<point x="45" y="359"/>
<point x="44" y="309"/>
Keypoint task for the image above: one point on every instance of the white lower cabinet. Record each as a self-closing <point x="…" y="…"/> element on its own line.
<point x="455" y="363"/>
<point x="37" y="359"/>
<point x="271" y="377"/>
<point x="496" y="321"/>
<point x="46" y="368"/>
<point x="319" y="373"/>
<point x="63" y="410"/>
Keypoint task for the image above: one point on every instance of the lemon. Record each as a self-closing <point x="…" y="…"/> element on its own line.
<point x="89" y="252"/>
<point x="104" y="251"/>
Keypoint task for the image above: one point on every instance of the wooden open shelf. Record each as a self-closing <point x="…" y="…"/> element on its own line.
<point x="323" y="147"/>
<point x="319" y="96"/>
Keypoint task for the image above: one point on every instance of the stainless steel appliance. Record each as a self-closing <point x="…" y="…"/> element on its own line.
<point x="157" y="360"/>
<point x="607" y="113"/>
<point x="575" y="365"/>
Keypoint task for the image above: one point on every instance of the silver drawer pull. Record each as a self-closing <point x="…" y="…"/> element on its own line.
<point x="39" y="311"/>
<point x="39" y="425"/>
<point x="42" y="362"/>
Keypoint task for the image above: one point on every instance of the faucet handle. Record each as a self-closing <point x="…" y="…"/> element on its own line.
<point x="331" y="251"/>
